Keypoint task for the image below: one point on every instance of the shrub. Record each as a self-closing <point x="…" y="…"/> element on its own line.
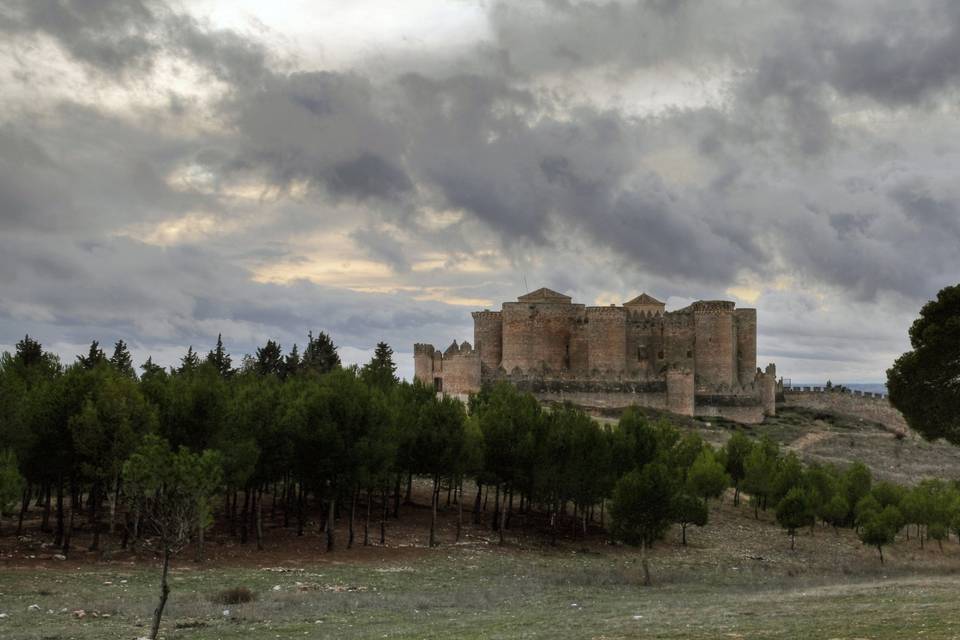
<point x="234" y="595"/>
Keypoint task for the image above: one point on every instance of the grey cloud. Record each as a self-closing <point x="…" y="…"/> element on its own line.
<point x="111" y="36"/>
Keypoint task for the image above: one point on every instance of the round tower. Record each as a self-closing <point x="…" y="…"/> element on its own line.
<point x="714" y="343"/>
<point x="488" y="337"/>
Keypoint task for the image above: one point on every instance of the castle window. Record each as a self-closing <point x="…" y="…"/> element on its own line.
<point x="689" y="353"/>
<point x="642" y="352"/>
<point x="438" y="384"/>
<point x="660" y="355"/>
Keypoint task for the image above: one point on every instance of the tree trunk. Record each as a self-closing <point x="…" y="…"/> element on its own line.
<point x="244" y="516"/>
<point x="383" y="512"/>
<point x="164" y="592"/>
<point x="407" y="499"/>
<point x="736" y="495"/>
<point x="45" y="523"/>
<point x="300" y="509"/>
<point x="880" y="549"/>
<point x="434" y="498"/>
<point x="69" y="530"/>
<point x="503" y="518"/>
<point x="793" y="538"/>
<point x="259" y="499"/>
<point x="58" y="538"/>
<point x="643" y="563"/>
<point x="495" y="524"/>
<point x="366" y="520"/>
<point x="95" y="515"/>
<point x="200" y="528"/>
<point x="509" y="504"/>
<point x="24" y="505"/>
<point x="476" y="503"/>
<point x="115" y="498"/>
<point x="683" y="534"/>
<point x="353" y="513"/>
<point x="331" y="519"/>
<point x="460" y="509"/>
<point x="396" y="496"/>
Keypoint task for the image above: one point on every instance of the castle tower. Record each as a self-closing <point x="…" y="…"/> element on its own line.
<point x="423" y="362"/>
<point x="488" y="337"/>
<point x="536" y="331"/>
<point x="746" y="326"/>
<point x="715" y="342"/>
<point x="606" y="333"/>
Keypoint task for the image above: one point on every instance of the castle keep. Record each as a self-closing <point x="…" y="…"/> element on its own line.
<point x="699" y="360"/>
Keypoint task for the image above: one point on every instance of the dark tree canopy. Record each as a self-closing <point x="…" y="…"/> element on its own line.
<point x="924" y="383"/>
<point x="320" y="355"/>
<point x="121" y="360"/>
<point x="220" y="359"/>
<point x="381" y="372"/>
<point x="94" y="356"/>
<point x="270" y="359"/>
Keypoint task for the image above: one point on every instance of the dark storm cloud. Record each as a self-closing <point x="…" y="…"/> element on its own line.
<point x="111" y="36"/>
<point x="777" y="159"/>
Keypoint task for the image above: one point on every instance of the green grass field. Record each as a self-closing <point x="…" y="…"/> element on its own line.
<point x="749" y="586"/>
<point x="737" y="579"/>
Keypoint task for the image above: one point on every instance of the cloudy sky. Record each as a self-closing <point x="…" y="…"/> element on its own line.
<point x="377" y="170"/>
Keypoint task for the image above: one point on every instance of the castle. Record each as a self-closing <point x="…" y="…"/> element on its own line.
<point x="700" y="360"/>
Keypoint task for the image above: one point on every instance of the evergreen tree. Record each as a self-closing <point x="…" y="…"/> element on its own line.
<point x="923" y="382"/>
<point x="190" y="362"/>
<point x="121" y="360"/>
<point x="270" y="359"/>
<point x="737" y="449"/>
<point x="94" y="356"/>
<point x="707" y="477"/>
<point x="794" y="512"/>
<point x="220" y="359"/>
<point x="881" y="529"/>
<point x="291" y="364"/>
<point x="29" y="352"/>
<point x="689" y="509"/>
<point x="642" y="509"/>
<point x="320" y="355"/>
<point x="381" y="372"/>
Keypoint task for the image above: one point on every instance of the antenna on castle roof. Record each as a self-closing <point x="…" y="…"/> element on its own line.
<point x="525" y="287"/>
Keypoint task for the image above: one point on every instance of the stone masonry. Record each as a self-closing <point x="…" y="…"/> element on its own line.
<point x="699" y="360"/>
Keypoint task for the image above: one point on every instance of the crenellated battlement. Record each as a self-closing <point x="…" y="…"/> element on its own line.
<point x="712" y="307"/>
<point x="423" y="349"/>
<point x="545" y="341"/>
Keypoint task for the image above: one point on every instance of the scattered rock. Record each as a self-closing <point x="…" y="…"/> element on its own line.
<point x="79" y="614"/>
<point x="33" y="607"/>
<point x="3" y="615"/>
<point x="59" y="556"/>
<point x="276" y="587"/>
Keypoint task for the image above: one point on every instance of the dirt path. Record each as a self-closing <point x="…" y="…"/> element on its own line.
<point x="808" y="440"/>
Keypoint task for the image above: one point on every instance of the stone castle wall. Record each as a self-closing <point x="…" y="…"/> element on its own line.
<point x="698" y="359"/>
<point x="869" y="406"/>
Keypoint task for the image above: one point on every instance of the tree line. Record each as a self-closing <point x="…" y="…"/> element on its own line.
<point x="152" y="457"/>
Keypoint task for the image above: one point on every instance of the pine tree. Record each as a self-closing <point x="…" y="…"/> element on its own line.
<point x="121" y="360"/>
<point x="94" y="356"/>
<point x="381" y="372"/>
<point x="220" y="359"/>
<point x="291" y="365"/>
<point x="29" y="352"/>
<point x="320" y="355"/>
<point x="189" y="362"/>
<point x="270" y="359"/>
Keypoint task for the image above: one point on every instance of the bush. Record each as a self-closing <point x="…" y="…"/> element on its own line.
<point x="235" y="595"/>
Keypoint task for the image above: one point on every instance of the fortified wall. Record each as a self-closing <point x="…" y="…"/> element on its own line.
<point x="859" y="404"/>
<point x="699" y="360"/>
